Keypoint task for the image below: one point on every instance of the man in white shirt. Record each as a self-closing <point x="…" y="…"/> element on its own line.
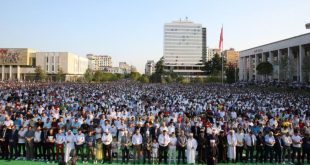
<point x="79" y="144"/>
<point x="269" y="143"/>
<point x="250" y="143"/>
<point x="37" y="141"/>
<point x="136" y="142"/>
<point x="287" y="140"/>
<point x="172" y="148"/>
<point x="297" y="141"/>
<point x="107" y="140"/>
<point x="163" y="141"/>
<point x="191" y="147"/>
<point x="69" y="145"/>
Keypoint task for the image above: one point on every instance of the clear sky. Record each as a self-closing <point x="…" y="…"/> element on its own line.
<point x="132" y="30"/>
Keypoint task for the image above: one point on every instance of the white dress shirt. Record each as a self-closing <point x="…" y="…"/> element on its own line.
<point x="79" y="139"/>
<point x="250" y="141"/>
<point x="60" y="138"/>
<point x="107" y="139"/>
<point x="163" y="140"/>
<point x="296" y="138"/>
<point x="137" y="139"/>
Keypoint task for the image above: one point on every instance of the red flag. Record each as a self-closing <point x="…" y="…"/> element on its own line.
<point x="221" y="39"/>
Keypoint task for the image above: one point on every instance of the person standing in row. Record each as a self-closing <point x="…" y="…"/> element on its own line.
<point x="191" y="149"/>
<point x="172" y="148"/>
<point x="222" y="147"/>
<point x="250" y="143"/>
<point x="147" y="147"/>
<point x="13" y="139"/>
<point x="79" y="144"/>
<point x="29" y="143"/>
<point x="269" y="143"/>
<point x="181" y="144"/>
<point x="60" y="140"/>
<point x="137" y="142"/>
<point x="90" y="141"/>
<point x="107" y="140"/>
<point x="297" y="142"/>
<point x="163" y="141"/>
<point x="125" y="141"/>
<point x="232" y="143"/>
<point x="69" y="145"/>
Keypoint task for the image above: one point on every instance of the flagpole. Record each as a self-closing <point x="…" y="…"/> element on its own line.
<point x="222" y="58"/>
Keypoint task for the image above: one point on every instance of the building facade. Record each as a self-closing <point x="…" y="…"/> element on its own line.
<point x="71" y="64"/>
<point x="287" y="56"/>
<point x="20" y="63"/>
<point x="99" y="62"/>
<point x="232" y="57"/>
<point x="184" y="47"/>
<point x="212" y="52"/>
<point x="150" y="67"/>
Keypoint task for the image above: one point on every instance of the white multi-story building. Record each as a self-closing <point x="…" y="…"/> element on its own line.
<point x="20" y="64"/>
<point x="150" y="67"/>
<point x="289" y="58"/>
<point x="212" y="52"/>
<point x="184" y="47"/>
<point x="99" y="62"/>
<point x="70" y="64"/>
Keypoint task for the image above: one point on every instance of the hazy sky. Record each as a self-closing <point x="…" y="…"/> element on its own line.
<point x="132" y="30"/>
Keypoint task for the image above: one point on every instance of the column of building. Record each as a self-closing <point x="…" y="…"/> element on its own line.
<point x="2" y="73"/>
<point x="10" y="72"/>
<point x="301" y="58"/>
<point x="18" y="72"/>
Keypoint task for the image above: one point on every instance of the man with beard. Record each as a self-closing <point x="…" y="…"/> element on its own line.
<point x="222" y="147"/>
<point x="181" y="142"/>
<point x="213" y="153"/>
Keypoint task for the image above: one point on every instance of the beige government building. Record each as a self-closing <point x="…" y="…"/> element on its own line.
<point x="287" y="56"/>
<point x="20" y="63"/>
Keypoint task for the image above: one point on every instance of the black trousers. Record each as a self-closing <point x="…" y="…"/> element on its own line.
<point x="125" y="155"/>
<point x="249" y="153"/>
<point x="239" y="151"/>
<point x="21" y="149"/>
<point x="38" y="150"/>
<point x="278" y="155"/>
<point x="202" y="155"/>
<point x="296" y="150"/>
<point x="306" y="151"/>
<point x="13" y="150"/>
<point x="50" y="151"/>
<point x="146" y="155"/>
<point x="4" y="150"/>
<point x="181" y="153"/>
<point x="80" y="151"/>
<point x="268" y="152"/>
<point x="163" y="154"/>
<point x="107" y="153"/>
<point x="222" y="154"/>
<point x="259" y="153"/>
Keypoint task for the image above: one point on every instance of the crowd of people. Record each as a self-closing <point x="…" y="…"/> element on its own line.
<point x="127" y="121"/>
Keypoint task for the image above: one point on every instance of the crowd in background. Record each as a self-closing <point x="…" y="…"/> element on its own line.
<point x="152" y="123"/>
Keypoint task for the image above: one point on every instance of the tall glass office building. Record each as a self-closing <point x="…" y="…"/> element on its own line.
<point x="184" y="47"/>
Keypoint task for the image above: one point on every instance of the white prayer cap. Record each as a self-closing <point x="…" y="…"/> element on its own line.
<point x="106" y="130"/>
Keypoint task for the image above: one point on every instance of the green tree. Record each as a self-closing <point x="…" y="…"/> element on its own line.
<point x="40" y="73"/>
<point x="134" y="76"/>
<point x="159" y="67"/>
<point x="215" y="65"/>
<point x="98" y="76"/>
<point x="88" y="75"/>
<point x="231" y="74"/>
<point x="264" y="68"/>
<point x="144" y="79"/>
<point x="60" y="76"/>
